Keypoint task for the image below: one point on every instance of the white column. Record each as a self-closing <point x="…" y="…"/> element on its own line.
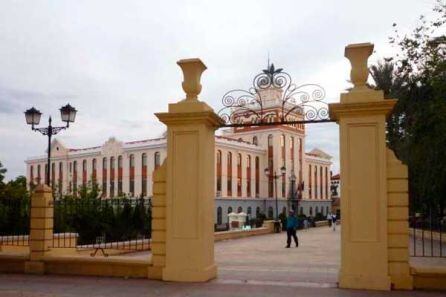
<point x="244" y="164"/>
<point x="224" y="176"/>
<point x="150" y="169"/>
<point x="125" y="173"/>
<point x="234" y="175"/>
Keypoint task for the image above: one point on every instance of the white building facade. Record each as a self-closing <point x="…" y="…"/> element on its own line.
<point x="241" y="156"/>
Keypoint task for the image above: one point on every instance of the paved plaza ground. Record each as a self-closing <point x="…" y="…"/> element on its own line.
<point x="264" y="258"/>
<point x="256" y="266"/>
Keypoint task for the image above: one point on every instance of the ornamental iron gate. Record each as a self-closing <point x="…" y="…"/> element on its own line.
<point x="274" y="99"/>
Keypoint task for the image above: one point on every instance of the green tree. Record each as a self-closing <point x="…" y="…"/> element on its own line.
<point x="16" y="189"/>
<point x="2" y="178"/>
<point x="416" y="129"/>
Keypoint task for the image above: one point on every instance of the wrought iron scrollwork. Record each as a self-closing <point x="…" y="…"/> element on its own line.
<point x="274" y="99"/>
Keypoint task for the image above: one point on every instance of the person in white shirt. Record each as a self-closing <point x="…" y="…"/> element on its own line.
<point x="329" y="218"/>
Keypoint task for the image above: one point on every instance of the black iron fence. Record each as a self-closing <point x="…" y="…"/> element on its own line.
<point x="14" y="221"/>
<point x="427" y="235"/>
<point x="98" y="224"/>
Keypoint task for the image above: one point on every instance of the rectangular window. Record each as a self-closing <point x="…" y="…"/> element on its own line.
<point x="229" y="185"/>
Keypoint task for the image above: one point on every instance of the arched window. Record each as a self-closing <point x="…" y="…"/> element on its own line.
<point x="239" y="209"/>
<point x="31" y="176"/>
<point x="326" y="183"/>
<point x="229" y="174"/>
<point x="46" y="176"/>
<point x="255" y="141"/>
<point x="315" y="182"/>
<point x="132" y="175"/>
<point x="327" y="210"/>
<point x="94" y="173"/>
<point x="257" y="186"/>
<point x="300" y="161"/>
<point x="257" y="211"/>
<point x="84" y="173"/>
<point x="229" y="211"/>
<point x="219" y="173"/>
<point x="112" y="177"/>
<point x="284" y="210"/>
<point x="144" y="174"/>
<point x="248" y="176"/>
<point x="75" y="178"/>
<point x="104" y="177"/>
<point x="38" y="175"/>
<point x="249" y="211"/>
<point x="157" y="159"/>
<point x="292" y="152"/>
<point x="219" y="216"/>
<point x="316" y="211"/>
<point x="270" y="212"/>
<point x="53" y="175"/>
<point x="119" y="175"/>
<point x="239" y="175"/>
<point x="301" y="211"/>
<point x="311" y="211"/>
<point x="60" y="182"/>
<point x="310" y="193"/>
<point x="270" y="166"/>
<point x="321" y="185"/>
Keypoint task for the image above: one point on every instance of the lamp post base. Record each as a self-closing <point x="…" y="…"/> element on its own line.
<point x="277" y="227"/>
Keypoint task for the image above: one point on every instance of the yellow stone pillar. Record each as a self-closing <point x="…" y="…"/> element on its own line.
<point x="41" y="229"/>
<point x="361" y="116"/>
<point x="190" y="182"/>
<point x="158" y="243"/>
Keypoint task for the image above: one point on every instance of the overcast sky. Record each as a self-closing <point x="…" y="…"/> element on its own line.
<point x="115" y="61"/>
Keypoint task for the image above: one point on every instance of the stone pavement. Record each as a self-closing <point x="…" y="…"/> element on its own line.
<point x="64" y="286"/>
<point x="264" y="258"/>
<point x="256" y="266"/>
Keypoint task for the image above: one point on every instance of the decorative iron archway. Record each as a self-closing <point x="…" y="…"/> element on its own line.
<point x="274" y="99"/>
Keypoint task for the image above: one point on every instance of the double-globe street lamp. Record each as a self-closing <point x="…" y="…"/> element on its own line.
<point x="32" y="115"/>
<point x="275" y="176"/>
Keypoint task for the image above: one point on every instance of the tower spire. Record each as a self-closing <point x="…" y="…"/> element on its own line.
<point x="267" y="66"/>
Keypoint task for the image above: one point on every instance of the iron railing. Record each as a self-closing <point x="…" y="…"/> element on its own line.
<point x="14" y="221"/>
<point x="98" y="224"/>
<point x="427" y="235"/>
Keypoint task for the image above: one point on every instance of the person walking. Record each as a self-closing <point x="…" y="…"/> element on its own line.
<point x="291" y="227"/>
<point x="333" y="223"/>
<point x="329" y="219"/>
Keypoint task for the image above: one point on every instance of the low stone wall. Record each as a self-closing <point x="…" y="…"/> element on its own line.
<point x="427" y="235"/>
<point x="234" y="234"/>
<point x="13" y="263"/>
<point x="321" y="223"/>
<point x="432" y="278"/>
<point x="130" y="268"/>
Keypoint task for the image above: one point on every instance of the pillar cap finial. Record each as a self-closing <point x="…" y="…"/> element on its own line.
<point x="358" y="54"/>
<point x="192" y="70"/>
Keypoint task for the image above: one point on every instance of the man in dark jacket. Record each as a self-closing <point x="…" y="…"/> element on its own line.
<point x="291" y="227"/>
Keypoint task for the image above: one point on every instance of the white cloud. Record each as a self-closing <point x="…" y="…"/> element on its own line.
<point x="115" y="60"/>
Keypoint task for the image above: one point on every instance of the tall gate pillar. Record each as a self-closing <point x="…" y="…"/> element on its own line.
<point x="190" y="182"/>
<point x="361" y="116"/>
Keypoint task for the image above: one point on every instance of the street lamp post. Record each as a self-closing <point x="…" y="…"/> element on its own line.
<point x="293" y="205"/>
<point x="275" y="177"/>
<point x="32" y="115"/>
